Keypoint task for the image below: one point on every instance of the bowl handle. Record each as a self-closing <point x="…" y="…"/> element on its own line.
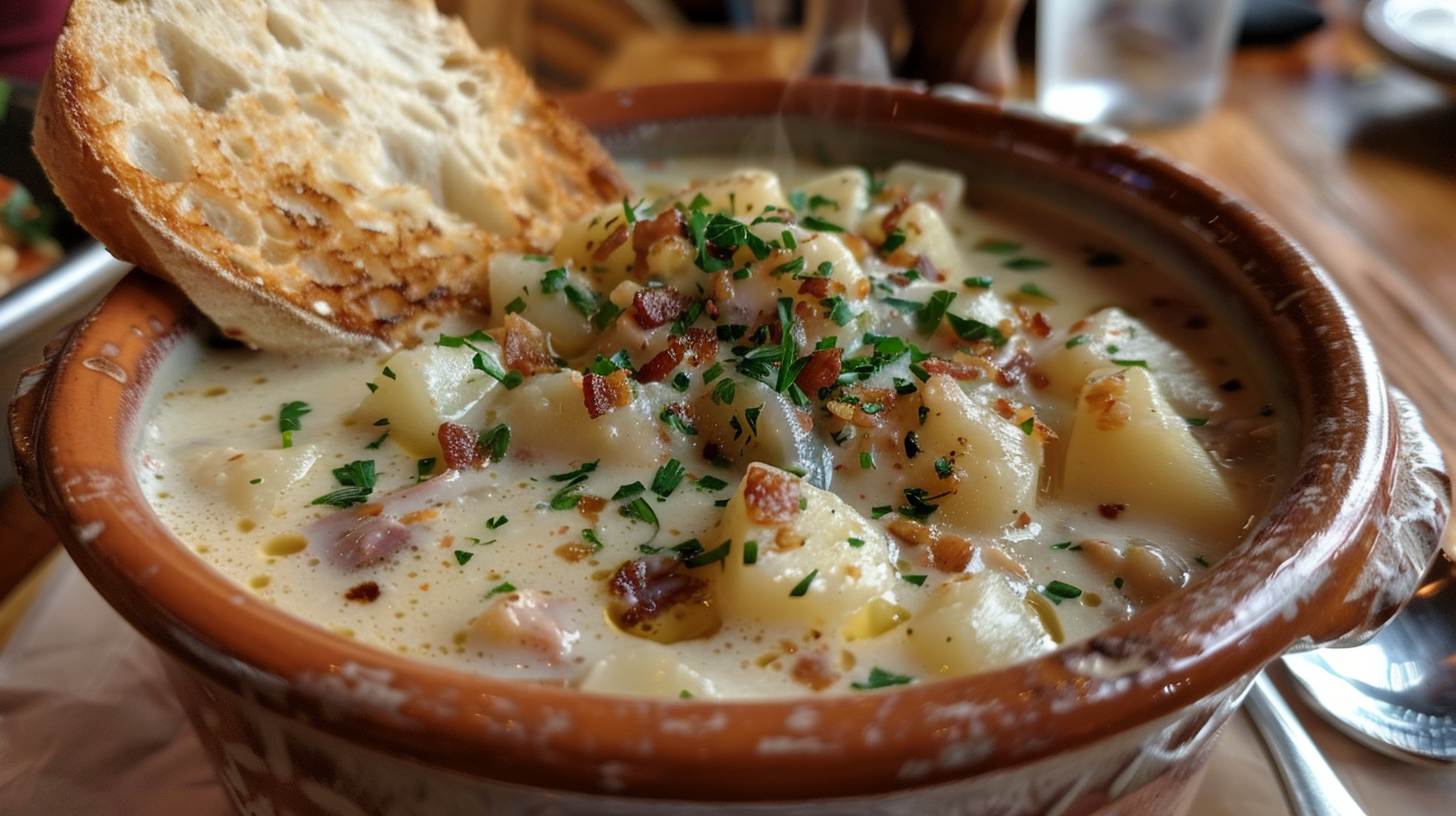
<point x="25" y="413"/>
<point x="1408" y="537"/>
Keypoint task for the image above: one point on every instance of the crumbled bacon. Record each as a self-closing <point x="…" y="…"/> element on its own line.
<point x="956" y="370"/>
<point x="523" y="347"/>
<point x="647" y="587"/>
<point x="771" y="496"/>
<point x="658" y="306"/>
<point x="1109" y="510"/>
<point x="813" y="671"/>
<point x="1040" y="325"/>
<point x="603" y="394"/>
<point x="892" y="218"/>
<point x="819" y="287"/>
<point x="697" y="346"/>
<point x="617" y="238"/>
<point x="1106" y="399"/>
<point x="821" y="371"/>
<point x="366" y="592"/>
<point x="947" y="552"/>
<point x="461" y="447"/>
<point x="590" y="507"/>
<point x="646" y="233"/>
<point x="1011" y="372"/>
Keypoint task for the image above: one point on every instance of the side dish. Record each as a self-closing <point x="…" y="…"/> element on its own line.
<point x="743" y="437"/>
<point x="26" y="246"/>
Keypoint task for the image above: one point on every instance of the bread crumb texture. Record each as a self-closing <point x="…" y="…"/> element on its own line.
<point x="315" y="175"/>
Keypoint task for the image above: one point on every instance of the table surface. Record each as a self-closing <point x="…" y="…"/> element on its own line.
<point x="1352" y="157"/>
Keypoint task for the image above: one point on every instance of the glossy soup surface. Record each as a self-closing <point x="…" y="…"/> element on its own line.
<point x="745" y="437"/>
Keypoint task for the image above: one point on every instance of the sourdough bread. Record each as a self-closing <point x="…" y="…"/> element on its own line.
<point x="317" y="175"/>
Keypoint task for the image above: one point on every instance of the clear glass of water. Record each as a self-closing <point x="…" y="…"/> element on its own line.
<point x="1133" y="62"/>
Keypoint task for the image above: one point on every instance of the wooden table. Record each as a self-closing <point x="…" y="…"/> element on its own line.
<point x="1356" y="160"/>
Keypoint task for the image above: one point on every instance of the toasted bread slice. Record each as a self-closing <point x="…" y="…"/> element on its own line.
<point x="317" y="175"/>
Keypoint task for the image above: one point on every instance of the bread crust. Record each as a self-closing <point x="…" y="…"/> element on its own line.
<point x="270" y="196"/>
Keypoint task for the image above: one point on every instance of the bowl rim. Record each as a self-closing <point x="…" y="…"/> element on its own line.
<point x="1134" y="674"/>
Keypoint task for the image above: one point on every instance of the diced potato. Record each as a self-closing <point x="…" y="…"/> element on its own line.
<point x="582" y="240"/>
<point x="851" y="560"/>
<point x="420" y="388"/>
<point x="840" y="197"/>
<point x="874" y="619"/>
<point x="253" y="482"/>
<point x="1129" y="447"/>
<point x="549" y="423"/>
<point x="995" y="466"/>
<point x="563" y="312"/>
<point x="975" y="624"/>
<point x="780" y="435"/>
<point x="926" y="234"/>
<point x="746" y="193"/>
<point x="1112" y="334"/>
<point x="922" y="182"/>
<point x="647" y="670"/>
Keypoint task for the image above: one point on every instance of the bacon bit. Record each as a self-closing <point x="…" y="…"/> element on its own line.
<point x="574" y="552"/>
<point x="1111" y="511"/>
<point x="1039" y="380"/>
<point x="1005" y="409"/>
<point x="1040" y="325"/>
<point x="910" y="532"/>
<point x="857" y="246"/>
<point x="1023" y="521"/>
<point x="523" y="347"/>
<point x="1039" y="428"/>
<point x="590" y="507"/>
<point x="1105" y="399"/>
<point x="419" y="516"/>
<point x="658" y="306"/>
<point x="772" y="497"/>
<point x="955" y="369"/>
<point x="617" y="238"/>
<point x="928" y="269"/>
<point x="892" y="218"/>
<point x="366" y="592"/>
<point x="697" y="346"/>
<point x="1013" y="370"/>
<point x="648" y="587"/>
<point x="950" y="552"/>
<point x="820" y="287"/>
<point x="460" y="447"/>
<point x="813" y="671"/>
<point x="646" y="233"/>
<point x="605" y="394"/>
<point x="821" y="371"/>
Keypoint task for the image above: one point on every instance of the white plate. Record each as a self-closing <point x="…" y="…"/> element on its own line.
<point x="1419" y="34"/>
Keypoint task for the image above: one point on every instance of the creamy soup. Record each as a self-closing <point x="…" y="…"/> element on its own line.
<point x="743" y="437"/>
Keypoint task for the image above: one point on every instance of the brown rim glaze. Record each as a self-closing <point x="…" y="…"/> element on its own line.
<point x="1303" y="574"/>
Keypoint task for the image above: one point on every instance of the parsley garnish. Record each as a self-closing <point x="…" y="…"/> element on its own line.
<point x="496" y="439"/>
<point x="668" y="477"/>
<point x="496" y="522"/>
<point x="516" y="306"/>
<point x="978" y="282"/>
<point x="711" y="483"/>
<point x="943" y="468"/>
<point x="893" y="241"/>
<point x="1024" y="264"/>
<point x="802" y="588"/>
<point x="750" y="552"/>
<point x="702" y="559"/>
<point x="879" y="678"/>
<point x="501" y="588"/>
<point x="1058" y="591"/>
<point x="289" y="420"/>
<point x="462" y="557"/>
<point x="627" y="491"/>
<point x="814" y="222"/>
<point x="358" y="480"/>
<point x="917" y="580"/>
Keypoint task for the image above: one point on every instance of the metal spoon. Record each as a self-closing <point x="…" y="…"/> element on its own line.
<point x="1313" y="787"/>
<point x="1395" y="693"/>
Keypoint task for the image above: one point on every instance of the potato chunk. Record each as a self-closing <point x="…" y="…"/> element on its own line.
<point x="647" y="670"/>
<point x="1112" y="334"/>
<point x="1130" y="453"/>
<point x="994" y="466"/>
<point x="850" y="560"/>
<point x="420" y="388"/>
<point x="975" y="624"/>
<point x="600" y="242"/>
<point x="550" y="423"/>
<point x="745" y="193"/>
<point x="253" y="482"/>
<point x="840" y="197"/>
<point x="559" y="300"/>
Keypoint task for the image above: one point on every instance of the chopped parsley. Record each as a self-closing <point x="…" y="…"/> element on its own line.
<point x="713" y="556"/>
<point x="879" y="678"/>
<point x="816" y="223"/>
<point x="668" y="477"/>
<point x="501" y="588"/>
<point x="290" y="418"/>
<point x="1058" y="591"/>
<point x="357" y="479"/>
<point x="627" y="491"/>
<point x="802" y="588"/>
<point x="1024" y="264"/>
<point x="893" y="241"/>
<point x="462" y="557"/>
<point x="496" y="440"/>
<point x="496" y="522"/>
<point x="711" y="483"/>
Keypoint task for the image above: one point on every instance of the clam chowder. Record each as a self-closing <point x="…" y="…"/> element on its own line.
<point x="745" y="437"/>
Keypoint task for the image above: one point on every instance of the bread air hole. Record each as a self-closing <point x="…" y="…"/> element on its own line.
<point x="159" y="152"/>
<point x="285" y="30"/>
<point x="467" y="195"/>
<point x="205" y="80"/>
<point x="224" y="215"/>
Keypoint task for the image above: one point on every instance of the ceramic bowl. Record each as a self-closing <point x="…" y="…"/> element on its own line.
<point x="298" y="720"/>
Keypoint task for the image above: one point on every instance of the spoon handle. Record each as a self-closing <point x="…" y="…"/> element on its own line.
<point x="1311" y="784"/>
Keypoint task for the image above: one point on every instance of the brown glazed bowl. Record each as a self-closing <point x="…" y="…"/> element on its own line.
<point x="300" y="721"/>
